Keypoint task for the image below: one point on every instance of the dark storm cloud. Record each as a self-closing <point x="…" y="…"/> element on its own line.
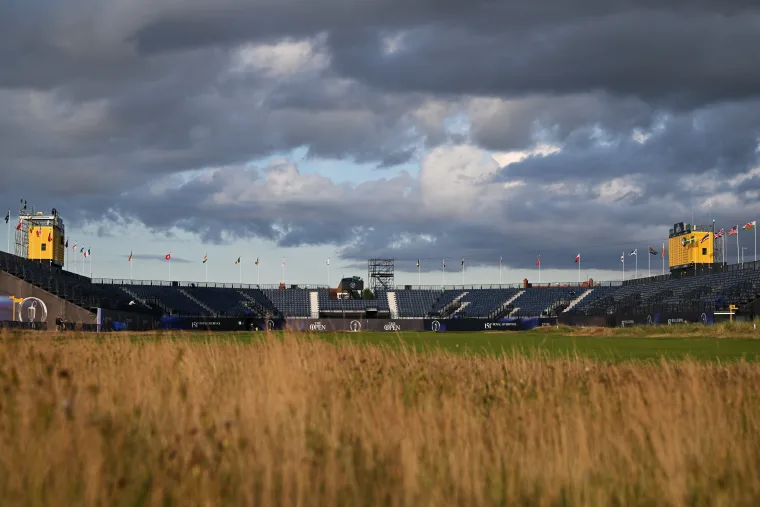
<point x="104" y="102"/>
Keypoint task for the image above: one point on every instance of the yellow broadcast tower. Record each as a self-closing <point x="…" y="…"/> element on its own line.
<point x="40" y="235"/>
<point x="691" y="247"/>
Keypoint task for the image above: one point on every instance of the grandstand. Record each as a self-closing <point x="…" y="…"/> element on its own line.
<point x="699" y="286"/>
<point x="736" y="285"/>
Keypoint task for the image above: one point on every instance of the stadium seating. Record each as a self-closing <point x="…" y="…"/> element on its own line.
<point x="484" y="303"/>
<point x="663" y="293"/>
<point x="537" y="302"/>
<point x="170" y="297"/>
<point x="289" y="302"/>
<point x="351" y="305"/>
<point x="223" y="301"/>
<point x="416" y="303"/>
<point x="74" y="288"/>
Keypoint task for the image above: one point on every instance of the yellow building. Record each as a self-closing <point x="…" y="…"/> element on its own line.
<point x="690" y="245"/>
<point x="41" y="236"/>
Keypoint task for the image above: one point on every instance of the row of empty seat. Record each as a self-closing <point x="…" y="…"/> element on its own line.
<point x="711" y="291"/>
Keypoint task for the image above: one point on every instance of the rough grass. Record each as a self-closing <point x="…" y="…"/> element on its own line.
<point x="295" y="420"/>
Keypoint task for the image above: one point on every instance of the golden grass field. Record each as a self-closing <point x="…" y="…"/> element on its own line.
<point x="297" y="421"/>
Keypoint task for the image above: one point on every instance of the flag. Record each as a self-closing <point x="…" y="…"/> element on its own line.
<point x="237" y="261"/>
<point x="750" y="225"/>
<point x="130" y="256"/>
<point x="462" y="261"/>
<point x="501" y="260"/>
<point x="81" y="250"/>
<point x="418" y="264"/>
<point x="67" y="243"/>
<point x="443" y="262"/>
<point x="733" y="231"/>
<point x="652" y="251"/>
<point x="663" y="249"/>
<point x="168" y="257"/>
<point x="578" y="258"/>
<point x="50" y="237"/>
<point x="39" y="232"/>
<point x="257" y="261"/>
<point x="8" y="217"/>
<point x="283" y="262"/>
<point x="720" y="234"/>
<point x="205" y="258"/>
<point x="18" y="227"/>
<point x="704" y="238"/>
<point x="88" y="253"/>
<point x="74" y="247"/>
<point x="328" y="261"/>
<point x="622" y="257"/>
<point x="634" y="252"/>
<point x="538" y="262"/>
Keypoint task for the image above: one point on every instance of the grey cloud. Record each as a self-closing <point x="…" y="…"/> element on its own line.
<point x="104" y="102"/>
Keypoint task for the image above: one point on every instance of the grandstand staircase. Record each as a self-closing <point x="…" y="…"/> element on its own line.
<point x="142" y="301"/>
<point x="577" y="300"/>
<point x="500" y="310"/>
<point x="462" y="307"/>
<point x="393" y="304"/>
<point x="453" y="305"/>
<point x="255" y="304"/>
<point x="314" y="304"/>
<point x="197" y="302"/>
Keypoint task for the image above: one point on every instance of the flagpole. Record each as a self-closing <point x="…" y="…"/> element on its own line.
<point x="206" y="267"/>
<point x="170" y="267"/>
<point x="9" y="230"/>
<point x="755" y="227"/>
<point x="328" y="271"/>
<point x="240" y="268"/>
<point x="579" y="270"/>
<point x="443" y="273"/>
<point x="649" y="264"/>
<point x="500" y="271"/>
<point x="419" y="275"/>
<point x="623" y="257"/>
<point x="663" y="258"/>
<point x="258" y="273"/>
<point x="463" y="271"/>
<point x="130" y="268"/>
<point x="90" y="256"/>
<point x="637" y="263"/>
<point x="738" y="260"/>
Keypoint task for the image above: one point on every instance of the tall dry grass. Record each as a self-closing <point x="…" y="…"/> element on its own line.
<point x="298" y="421"/>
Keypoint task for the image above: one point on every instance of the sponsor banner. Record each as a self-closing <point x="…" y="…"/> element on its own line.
<point x="395" y="325"/>
<point x="665" y="319"/>
<point x="326" y="325"/>
<point x="220" y="323"/>
<point x="399" y="325"/>
<point x="504" y="324"/>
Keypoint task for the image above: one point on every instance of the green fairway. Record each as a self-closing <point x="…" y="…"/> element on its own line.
<point x="718" y="343"/>
<point x="552" y="344"/>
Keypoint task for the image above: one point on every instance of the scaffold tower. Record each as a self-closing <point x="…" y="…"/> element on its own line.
<point x="381" y="274"/>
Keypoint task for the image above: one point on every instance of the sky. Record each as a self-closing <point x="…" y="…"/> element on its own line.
<point x="422" y="129"/>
